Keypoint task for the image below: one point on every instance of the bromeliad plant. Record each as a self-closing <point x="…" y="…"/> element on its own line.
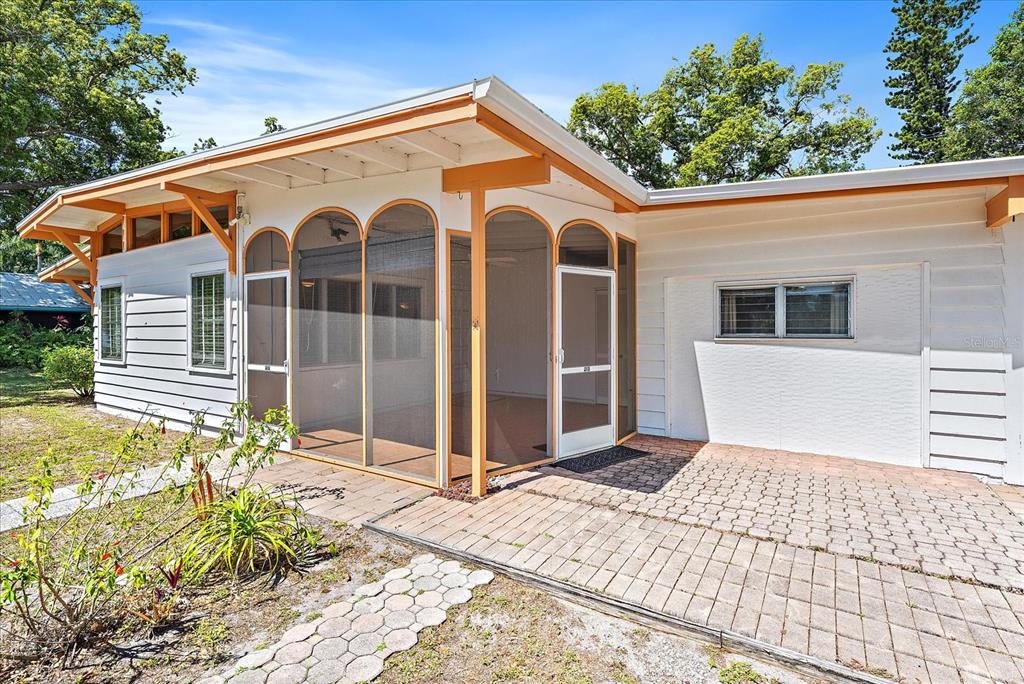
<point x="132" y="544"/>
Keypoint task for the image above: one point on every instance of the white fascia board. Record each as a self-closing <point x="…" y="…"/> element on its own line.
<point x="327" y="124"/>
<point x="496" y="96"/>
<point x="905" y="175"/>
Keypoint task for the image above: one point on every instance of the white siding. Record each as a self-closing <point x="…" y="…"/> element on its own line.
<point x="154" y="378"/>
<point x="925" y="380"/>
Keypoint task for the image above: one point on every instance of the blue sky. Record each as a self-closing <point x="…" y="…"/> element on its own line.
<point x="306" y="61"/>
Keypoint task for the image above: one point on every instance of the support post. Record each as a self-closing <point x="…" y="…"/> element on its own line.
<point x="478" y="340"/>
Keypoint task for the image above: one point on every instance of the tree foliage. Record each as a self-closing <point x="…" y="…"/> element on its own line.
<point x="726" y="117"/>
<point x="77" y="80"/>
<point x="926" y="46"/>
<point x="988" y="117"/>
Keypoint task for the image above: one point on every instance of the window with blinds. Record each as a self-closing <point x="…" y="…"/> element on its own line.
<point x="208" y="338"/>
<point x="111" y="324"/>
<point x="805" y="309"/>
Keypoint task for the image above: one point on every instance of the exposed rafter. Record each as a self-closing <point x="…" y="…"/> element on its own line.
<point x="510" y="173"/>
<point x="295" y="169"/>
<point x="108" y="206"/>
<point x="274" y="179"/>
<point x="431" y="143"/>
<point x="66" y="239"/>
<point x="335" y="161"/>
<point x="377" y="153"/>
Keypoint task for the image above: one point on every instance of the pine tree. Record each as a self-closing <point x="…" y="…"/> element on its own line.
<point x="926" y="47"/>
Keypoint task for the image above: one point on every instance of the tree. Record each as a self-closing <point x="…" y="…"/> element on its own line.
<point x="204" y="144"/>
<point x="76" y="81"/>
<point x="926" y="46"/>
<point x="988" y="117"/>
<point x="271" y="125"/>
<point x="729" y="117"/>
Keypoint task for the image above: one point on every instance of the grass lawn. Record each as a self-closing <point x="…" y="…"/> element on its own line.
<point x="35" y="417"/>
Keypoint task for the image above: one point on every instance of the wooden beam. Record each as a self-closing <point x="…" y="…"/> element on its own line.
<point x="199" y="209"/>
<point x="110" y="224"/>
<point x="109" y="206"/>
<point x="79" y="254"/>
<point x="86" y="297"/>
<point x="510" y="173"/>
<point x="127" y="235"/>
<point x="205" y="195"/>
<point x="478" y="340"/>
<point x="1007" y="204"/>
<point x="377" y="153"/>
<point x="295" y="169"/>
<point x="525" y="142"/>
<point x="75" y="234"/>
<point x="335" y="161"/>
<point x="433" y="144"/>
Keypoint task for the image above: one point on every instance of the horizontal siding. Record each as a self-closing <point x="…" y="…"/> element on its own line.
<point x="967" y="303"/>
<point x="154" y="380"/>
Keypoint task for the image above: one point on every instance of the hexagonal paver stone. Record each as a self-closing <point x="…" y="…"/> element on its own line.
<point x="290" y="674"/>
<point x="364" y="668"/>
<point x="338" y="609"/>
<point x="327" y="672"/>
<point x="478" y="577"/>
<point x="371" y="589"/>
<point x="426" y="583"/>
<point x="370" y="604"/>
<point x="398" y="602"/>
<point x="397" y="573"/>
<point x="330" y="649"/>
<point x="428" y="599"/>
<point x="449" y="566"/>
<point x="364" y="624"/>
<point x="400" y="639"/>
<point x="365" y="644"/>
<point x="398" y="586"/>
<point x="422" y="558"/>
<point x="334" y="627"/>
<point x="453" y="580"/>
<point x="293" y="653"/>
<point x="298" y="633"/>
<point x="255" y="659"/>
<point x="399" y="619"/>
<point x="458" y="595"/>
<point x="249" y="677"/>
<point x="424" y="569"/>
<point x="431" y="616"/>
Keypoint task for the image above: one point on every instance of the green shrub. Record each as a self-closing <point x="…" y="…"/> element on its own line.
<point x="24" y="345"/>
<point x="69" y="366"/>
<point x="250" y="531"/>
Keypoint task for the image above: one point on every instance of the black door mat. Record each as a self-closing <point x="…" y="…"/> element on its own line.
<point x="596" y="460"/>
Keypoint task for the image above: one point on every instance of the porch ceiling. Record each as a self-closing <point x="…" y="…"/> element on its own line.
<point x="456" y="144"/>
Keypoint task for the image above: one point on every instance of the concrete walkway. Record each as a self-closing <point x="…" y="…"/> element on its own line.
<point x="352" y="639"/>
<point x="842" y="610"/>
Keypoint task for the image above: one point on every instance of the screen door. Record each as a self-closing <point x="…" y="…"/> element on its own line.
<point x="585" y="378"/>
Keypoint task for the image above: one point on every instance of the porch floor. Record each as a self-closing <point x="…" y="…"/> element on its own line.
<point x="913" y="573"/>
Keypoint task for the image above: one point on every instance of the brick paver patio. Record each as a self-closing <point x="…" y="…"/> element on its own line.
<point x="842" y="561"/>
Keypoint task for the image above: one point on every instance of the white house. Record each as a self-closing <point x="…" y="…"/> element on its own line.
<point x="453" y="284"/>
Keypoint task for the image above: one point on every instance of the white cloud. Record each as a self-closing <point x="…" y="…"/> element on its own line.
<point x="243" y="77"/>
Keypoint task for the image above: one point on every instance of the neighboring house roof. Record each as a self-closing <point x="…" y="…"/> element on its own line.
<point x="24" y="292"/>
<point x="478" y="101"/>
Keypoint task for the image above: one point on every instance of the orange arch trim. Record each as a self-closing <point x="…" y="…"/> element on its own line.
<point x="395" y="203"/>
<point x="524" y="210"/>
<point x="316" y="212"/>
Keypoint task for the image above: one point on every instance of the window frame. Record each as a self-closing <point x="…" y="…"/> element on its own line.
<point x="118" y="283"/>
<point x="198" y="272"/>
<point x="780" y="285"/>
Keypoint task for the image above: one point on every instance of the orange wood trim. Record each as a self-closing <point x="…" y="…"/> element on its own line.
<point x="177" y="205"/>
<point x="82" y="257"/>
<point x="394" y="203"/>
<point x="368" y="470"/>
<point x="513" y="135"/>
<point x="205" y="195"/>
<point x="265" y="229"/>
<point x="825" y="194"/>
<point x="1002" y="208"/>
<point x="452" y="110"/>
<point x="509" y="173"/>
<point x="525" y="210"/>
<point x="478" y="339"/>
<point x="225" y="240"/>
<point x="165" y="227"/>
<point x="79" y="291"/>
<point x="315" y="212"/>
<point x="109" y="206"/>
<point x="110" y="224"/>
<point x="636" y="332"/>
<point x="127" y="234"/>
<point x="95" y="248"/>
<point x="594" y="224"/>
